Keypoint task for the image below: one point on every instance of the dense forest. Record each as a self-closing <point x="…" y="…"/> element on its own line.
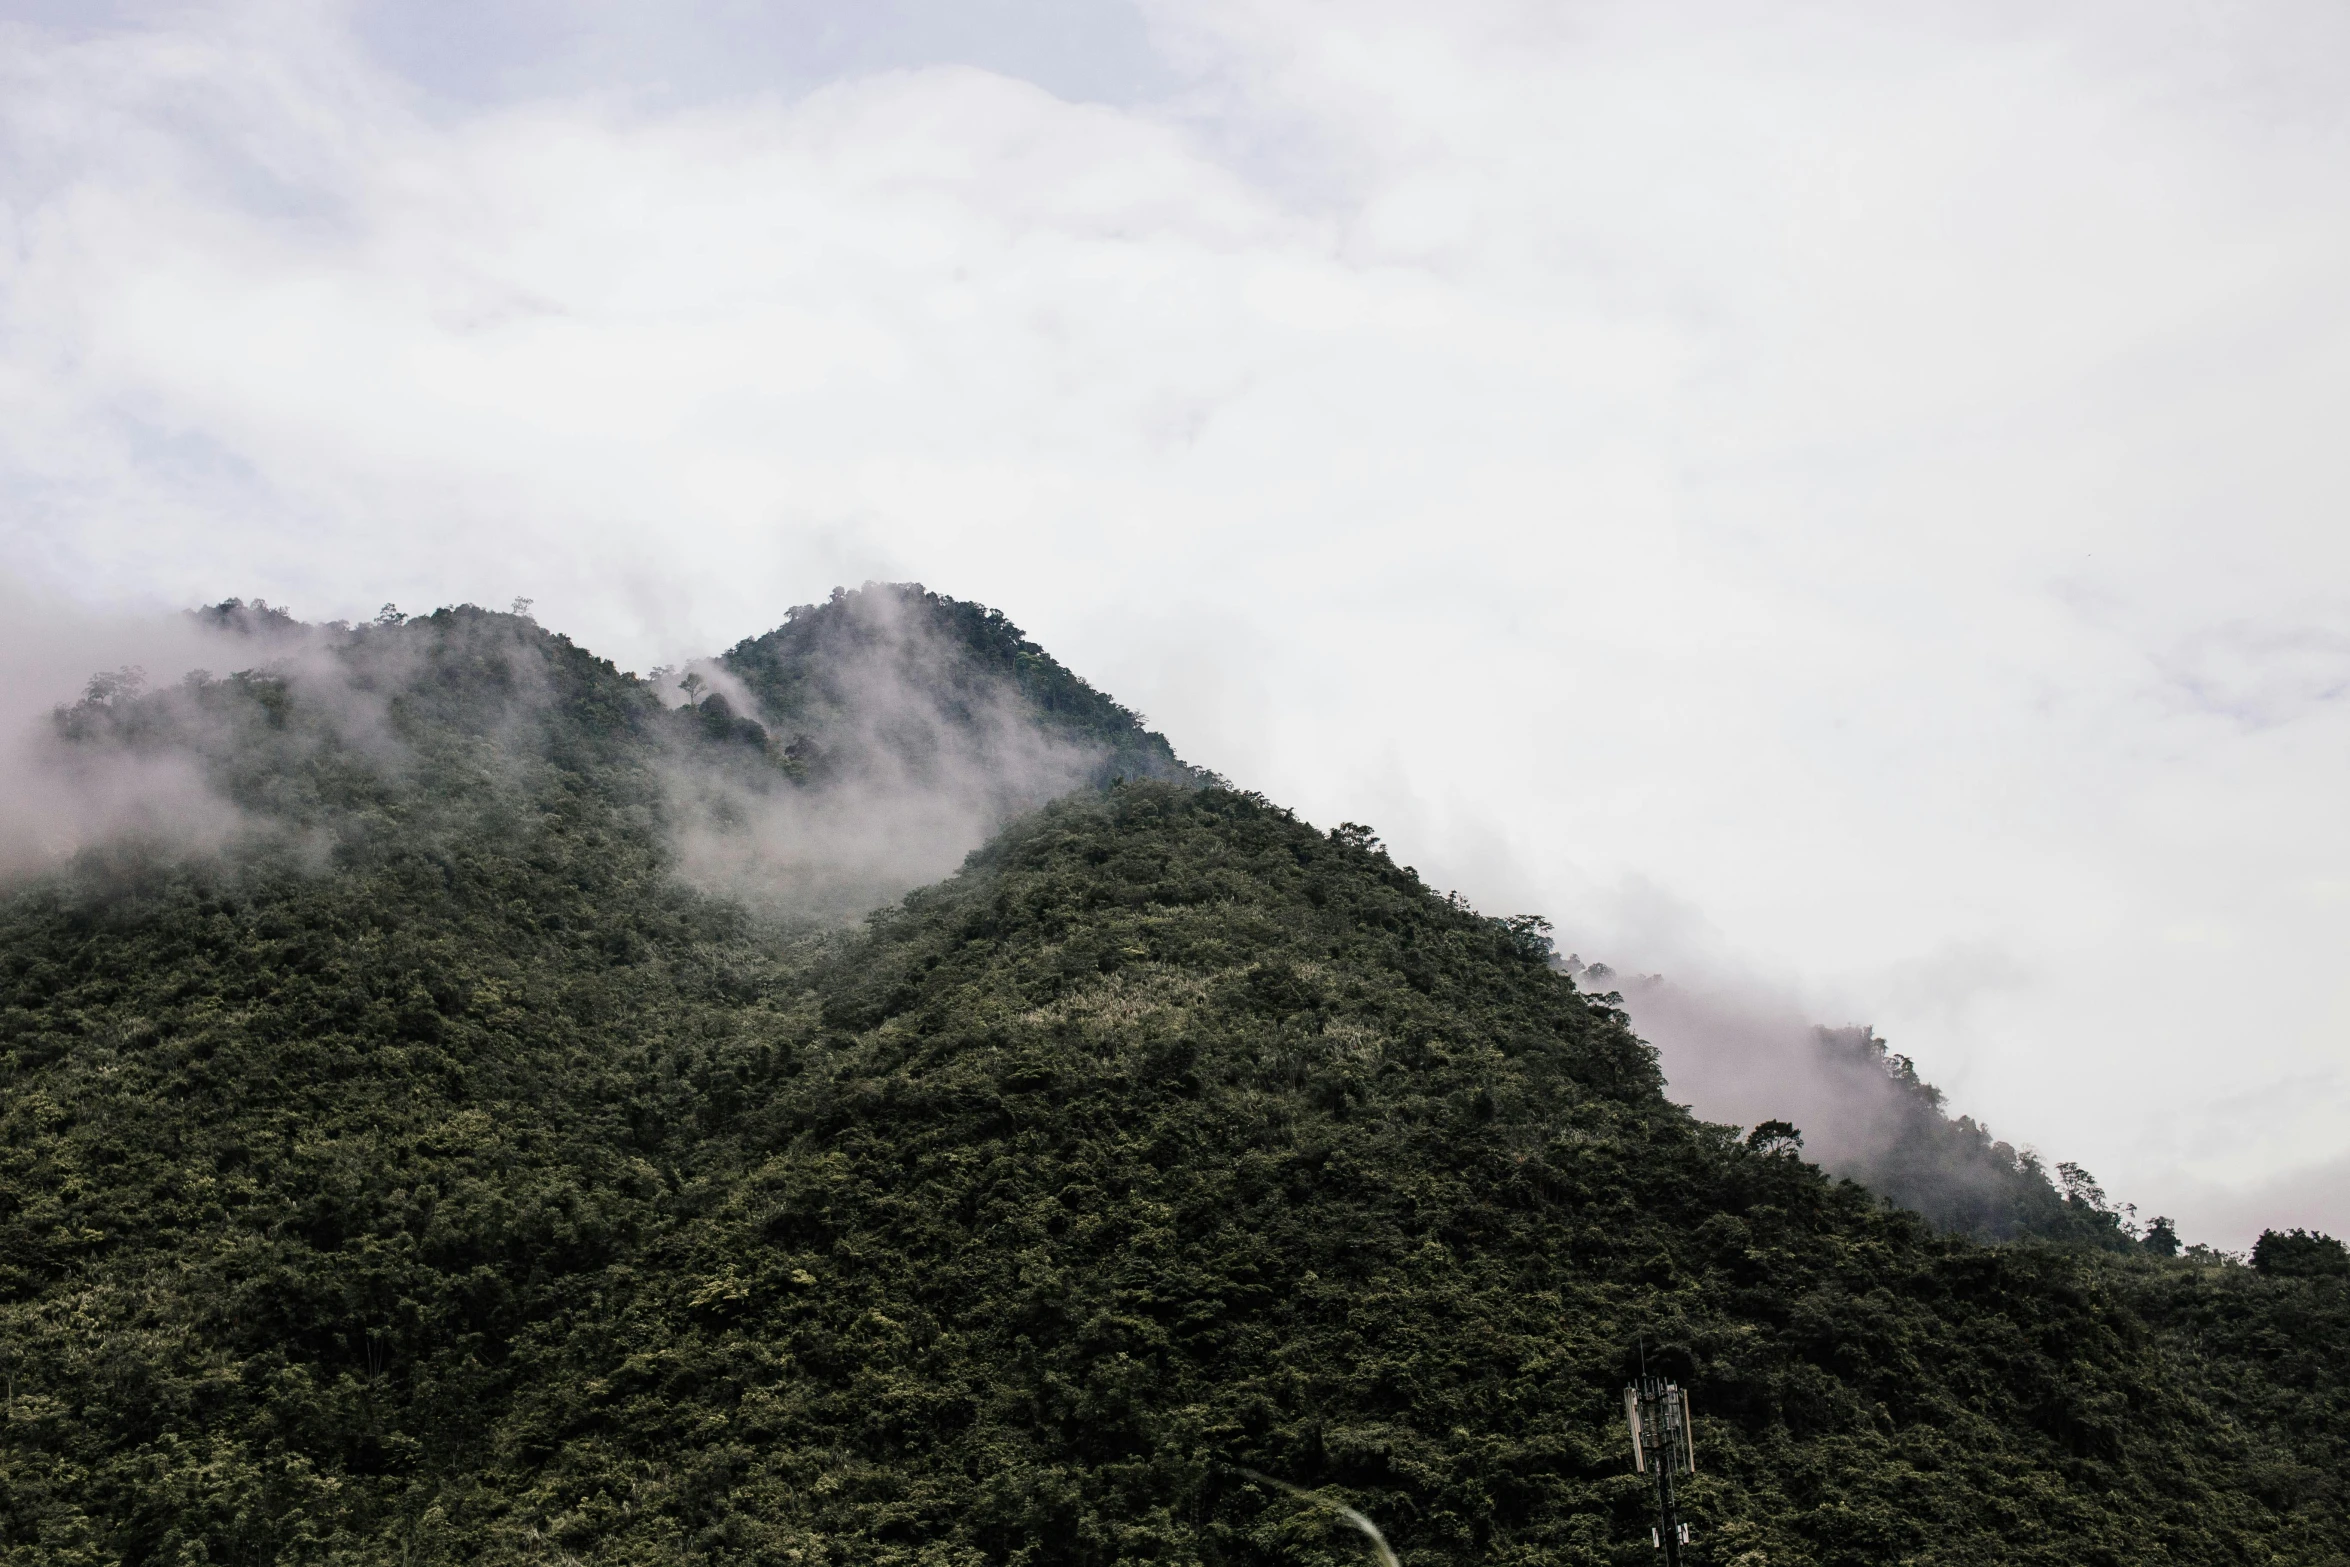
<point x="430" y="1171"/>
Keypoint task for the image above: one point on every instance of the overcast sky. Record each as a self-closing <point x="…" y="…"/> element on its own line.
<point x="1847" y="500"/>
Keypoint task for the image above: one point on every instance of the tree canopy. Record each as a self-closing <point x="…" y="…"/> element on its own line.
<point x="428" y="1175"/>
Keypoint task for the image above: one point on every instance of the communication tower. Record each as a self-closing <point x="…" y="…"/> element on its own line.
<point x="1658" y="1414"/>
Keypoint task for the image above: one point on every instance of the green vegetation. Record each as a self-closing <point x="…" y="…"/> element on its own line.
<point x="1967" y="1182"/>
<point x="2300" y="1254"/>
<point x="968" y="663"/>
<point x="430" y="1177"/>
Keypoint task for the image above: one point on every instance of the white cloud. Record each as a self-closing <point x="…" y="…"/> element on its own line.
<point x="1845" y="493"/>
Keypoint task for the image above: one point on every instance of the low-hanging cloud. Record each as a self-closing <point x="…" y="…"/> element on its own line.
<point x="899" y="763"/>
<point x="1745" y="1053"/>
<point x="64" y="798"/>
<point x="897" y="752"/>
<point x="195" y="732"/>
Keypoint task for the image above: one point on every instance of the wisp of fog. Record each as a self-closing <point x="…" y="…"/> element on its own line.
<point x="872" y="765"/>
<point x="1744" y="1053"/>
<point x="898" y="758"/>
<point x="63" y="798"/>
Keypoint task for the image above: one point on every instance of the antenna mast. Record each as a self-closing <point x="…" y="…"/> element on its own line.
<point x="1658" y="1414"/>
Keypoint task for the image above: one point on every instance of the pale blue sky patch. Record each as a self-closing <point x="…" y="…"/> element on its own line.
<point x="693" y="51"/>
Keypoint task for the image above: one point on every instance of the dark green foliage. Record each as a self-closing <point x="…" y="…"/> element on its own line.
<point x="824" y="658"/>
<point x="431" y="1179"/>
<point x="2266" y="1351"/>
<point x="1173" y="1137"/>
<point x="257" y="619"/>
<point x="2300" y="1254"/>
<point x="713" y="720"/>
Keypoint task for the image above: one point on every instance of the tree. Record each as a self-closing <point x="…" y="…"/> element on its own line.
<point x="2300" y="1254"/>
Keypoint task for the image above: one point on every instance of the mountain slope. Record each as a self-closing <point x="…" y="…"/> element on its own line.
<point x="433" y="1177"/>
<point x="1176" y="1136"/>
<point x="940" y="664"/>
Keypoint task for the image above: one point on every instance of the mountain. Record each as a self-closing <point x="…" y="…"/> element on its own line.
<point x="937" y="677"/>
<point x="868" y="743"/>
<point x="431" y="1165"/>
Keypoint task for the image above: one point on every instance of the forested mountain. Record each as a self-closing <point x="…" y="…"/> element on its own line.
<point x="433" y="1167"/>
<point x="934" y="675"/>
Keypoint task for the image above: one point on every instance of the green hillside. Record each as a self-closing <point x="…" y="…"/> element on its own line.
<point x="432" y="1177"/>
<point x="815" y="676"/>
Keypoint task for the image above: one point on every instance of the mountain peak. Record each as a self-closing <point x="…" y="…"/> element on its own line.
<point x="899" y="644"/>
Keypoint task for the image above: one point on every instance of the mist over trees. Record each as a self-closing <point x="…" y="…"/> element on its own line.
<point x="430" y="1160"/>
<point x="1738" y="1054"/>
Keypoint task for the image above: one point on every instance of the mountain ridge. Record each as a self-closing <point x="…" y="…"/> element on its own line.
<point x="433" y="1174"/>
